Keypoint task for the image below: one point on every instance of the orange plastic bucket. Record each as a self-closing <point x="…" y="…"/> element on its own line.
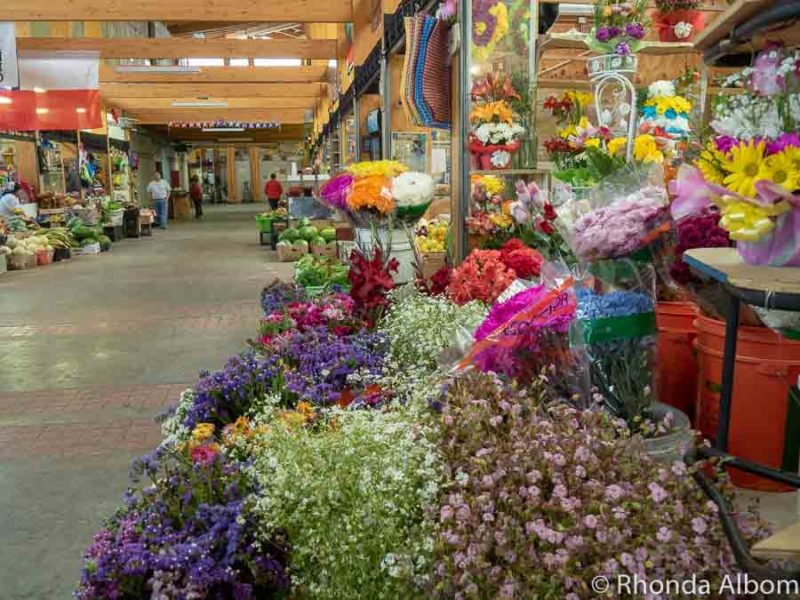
<point x="677" y="359"/>
<point x="767" y="369"/>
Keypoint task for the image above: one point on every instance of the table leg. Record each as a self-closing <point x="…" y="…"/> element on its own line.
<point x="728" y="366"/>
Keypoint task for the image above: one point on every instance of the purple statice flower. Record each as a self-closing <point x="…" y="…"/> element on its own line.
<point x="635" y="31"/>
<point x="783" y="141"/>
<point x="725" y="143"/>
<point x="222" y="397"/>
<point x="614" y="31"/>
<point x="321" y="365"/>
<point x="622" y="49"/>
<point x="276" y="296"/>
<point x="189" y="535"/>
<point x="602" y="34"/>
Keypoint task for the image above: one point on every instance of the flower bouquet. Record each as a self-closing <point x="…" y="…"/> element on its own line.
<point x="374" y="192"/>
<point x="750" y="168"/>
<point x="495" y="135"/>
<point x="489" y="223"/>
<point x="619" y="28"/>
<point x="536" y="223"/>
<point x="678" y="20"/>
<point x="620" y="340"/>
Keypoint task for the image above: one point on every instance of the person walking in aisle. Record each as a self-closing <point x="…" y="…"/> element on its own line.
<point x="196" y="194"/>
<point x="159" y="192"/>
<point x="273" y="191"/>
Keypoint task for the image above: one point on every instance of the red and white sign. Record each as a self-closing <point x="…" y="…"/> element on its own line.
<point x="58" y="92"/>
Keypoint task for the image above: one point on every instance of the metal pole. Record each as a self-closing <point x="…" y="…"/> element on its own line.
<point x="728" y="366"/>
<point x="465" y="25"/>
<point x="386" y="117"/>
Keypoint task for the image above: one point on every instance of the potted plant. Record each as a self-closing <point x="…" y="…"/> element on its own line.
<point x="678" y="20"/>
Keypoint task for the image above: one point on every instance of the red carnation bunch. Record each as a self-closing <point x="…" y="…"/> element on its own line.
<point x="483" y="276"/>
<point x="526" y="262"/>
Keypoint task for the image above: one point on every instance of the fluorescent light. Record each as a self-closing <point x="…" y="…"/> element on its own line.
<point x="156" y="69"/>
<point x="38" y="90"/>
<point x="200" y="104"/>
<point x="80" y="110"/>
<point x="277" y="62"/>
<point x="226" y="129"/>
<point x="42" y="111"/>
<point x="333" y="62"/>
<point x="5" y="100"/>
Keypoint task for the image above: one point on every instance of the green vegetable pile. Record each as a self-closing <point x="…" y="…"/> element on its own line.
<point x="84" y="235"/>
<point x="305" y="233"/>
<point x="320" y="271"/>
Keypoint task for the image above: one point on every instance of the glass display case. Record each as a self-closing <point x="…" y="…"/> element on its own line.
<point x="497" y="65"/>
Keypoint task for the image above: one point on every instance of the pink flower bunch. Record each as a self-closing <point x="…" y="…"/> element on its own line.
<point x="623" y="227"/>
<point x="542" y="498"/>
<point x="483" y="276"/>
<point x="334" y="192"/>
<point x="336" y="312"/>
<point x="523" y="348"/>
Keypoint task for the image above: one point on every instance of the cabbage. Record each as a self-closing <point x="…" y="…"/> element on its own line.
<point x="283" y="244"/>
<point x="318" y="241"/>
<point x="300" y="245"/>
<point x="289" y="235"/>
<point x="12" y="243"/>
<point x="329" y="233"/>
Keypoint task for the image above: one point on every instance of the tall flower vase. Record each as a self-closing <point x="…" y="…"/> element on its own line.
<point x="611" y="77"/>
<point x="679" y="25"/>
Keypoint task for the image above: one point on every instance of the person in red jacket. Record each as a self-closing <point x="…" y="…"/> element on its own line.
<point x="196" y="194"/>
<point x="273" y="191"/>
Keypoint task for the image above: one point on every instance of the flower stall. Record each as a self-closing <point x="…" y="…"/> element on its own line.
<point x="500" y="404"/>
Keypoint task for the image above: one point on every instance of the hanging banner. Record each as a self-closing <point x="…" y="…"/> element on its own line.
<point x="9" y="72"/>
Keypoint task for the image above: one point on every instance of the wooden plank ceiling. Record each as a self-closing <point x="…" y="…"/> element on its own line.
<point x="286" y="94"/>
<point x="276" y="11"/>
<point x="185" y="47"/>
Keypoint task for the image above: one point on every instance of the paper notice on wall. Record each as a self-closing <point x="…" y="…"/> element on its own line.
<point x="438" y="160"/>
<point x="9" y="71"/>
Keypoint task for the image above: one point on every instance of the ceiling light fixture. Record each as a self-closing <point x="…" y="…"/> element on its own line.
<point x="181" y="69"/>
<point x="42" y="111"/>
<point x="199" y="104"/>
<point x="39" y="90"/>
<point x="223" y="129"/>
<point x="80" y="110"/>
<point x="5" y="100"/>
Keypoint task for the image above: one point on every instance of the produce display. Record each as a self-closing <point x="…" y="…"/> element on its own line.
<point x="305" y="235"/>
<point x="320" y="271"/>
<point x="84" y="234"/>
<point x="51" y="200"/>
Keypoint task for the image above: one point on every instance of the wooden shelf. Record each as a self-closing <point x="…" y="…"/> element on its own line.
<point x="742" y="13"/>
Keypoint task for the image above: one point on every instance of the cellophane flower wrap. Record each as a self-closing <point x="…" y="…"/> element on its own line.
<point x="616" y="313"/>
<point x="750" y="167"/>
<point x="527" y="335"/>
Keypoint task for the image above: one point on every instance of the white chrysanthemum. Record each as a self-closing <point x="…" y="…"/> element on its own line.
<point x="483" y="132"/>
<point x="660" y="88"/>
<point x="413" y="188"/>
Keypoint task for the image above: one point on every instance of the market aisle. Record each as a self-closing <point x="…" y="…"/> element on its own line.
<point x="90" y="351"/>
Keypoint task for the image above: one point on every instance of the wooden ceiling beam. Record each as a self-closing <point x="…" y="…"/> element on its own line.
<point x="276" y="11"/>
<point x="217" y="90"/>
<point x="147" y="103"/>
<point x="184" y="47"/>
<point x="308" y="74"/>
<point x="149" y="117"/>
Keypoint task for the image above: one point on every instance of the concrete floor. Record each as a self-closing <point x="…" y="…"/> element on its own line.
<point x="90" y="351"/>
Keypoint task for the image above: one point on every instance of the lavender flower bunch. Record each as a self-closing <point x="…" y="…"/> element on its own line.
<point x="321" y="366"/>
<point x="188" y="535"/>
<point x="222" y="397"/>
<point x="619" y="332"/>
<point x="541" y="498"/>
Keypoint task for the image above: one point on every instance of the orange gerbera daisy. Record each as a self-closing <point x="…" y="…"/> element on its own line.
<point x="371" y="192"/>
